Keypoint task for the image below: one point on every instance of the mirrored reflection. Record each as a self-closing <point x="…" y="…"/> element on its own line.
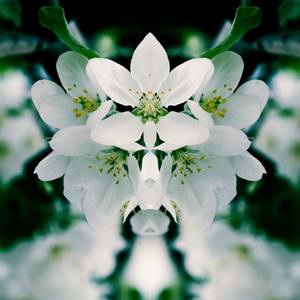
<point x="48" y="250"/>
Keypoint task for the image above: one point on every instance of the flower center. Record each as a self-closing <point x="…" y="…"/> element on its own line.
<point x="212" y="106"/>
<point x="215" y="104"/>
<point x="113" y="162"/>
<point x="149" y="108"/>
<point x="87" y="105"/>
<point x="188" y="161"/>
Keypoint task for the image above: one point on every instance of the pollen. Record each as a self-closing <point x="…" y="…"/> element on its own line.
<point x="187" y="162"/>
<point x="113" y="163"/>
<point x="87" y="105"/>
<point x="214" y="106"/>
<point x="149" y="108"/>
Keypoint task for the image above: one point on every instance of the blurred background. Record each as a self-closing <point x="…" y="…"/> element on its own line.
<point x="47" y="251"/>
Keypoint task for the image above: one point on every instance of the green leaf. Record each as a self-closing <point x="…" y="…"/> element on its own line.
<point x="53" y="18"/>
<point x="11" y="11"/>
<point x="246" y="18"/>
<point x="289" y="11"/>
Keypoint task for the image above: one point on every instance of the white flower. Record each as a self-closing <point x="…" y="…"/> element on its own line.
<point x="62" y="265"/>
<point x="150" y="185"/>
<point x="62" y="109"/>
<point x="229" y="106"/>
<point x="14" y="88"/>
<point x="96" y="184"/>
<point x="150" y="86"/>
<point x="285" y="89"/>
<point x="220" y="255"/>
<point x="20" y="139"/>
<point x="204" y="180"/>
<point x="95" y="178"/>
<point x="278" y="139"/>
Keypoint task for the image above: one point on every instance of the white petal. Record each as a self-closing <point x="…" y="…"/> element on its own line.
<point x="150" y="222"/>
<point x="133" y="203"/>
<point x="115" y="80"/>
<point x="247" y="166"/>
<point x="181" y="129"/>
<point x="134" y="171"/>
<point x="225" y="141"/>
<point x="96" y="116"/>
<point x="43" y="89"/>
<point x="203" y="117"/>
<point x="245" y="105"/>
<point x="184" y="80"/>
<point x="228" y="71"/>
<point x="221" y="178"/>
<point x="166" y="171"/>
<point x="104" y="197"/>
<point x="118" y="129"/>
<point x="169" y="207"/>
<point x="133" y="147"/>
<point x="166" y="147"/>
<point x="57" y="111"/>
<point x="77" y="179"/>
<point x="150" y="167"/>
<point x="255" y="88"/>
<point x="71" y="71"/>
<point x="52" y="166"/>
<point x="195" y="198"/>
<point x="73" y="141"/>
<point x="150" y="135"/>
<point x="150" y="64"/>
<point x="241" y="111"/>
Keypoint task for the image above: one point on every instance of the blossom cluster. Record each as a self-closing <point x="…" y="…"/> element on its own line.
<point x="220" y="255"/>
<point x="62" y="265"/>
<point x="150" y="138"/>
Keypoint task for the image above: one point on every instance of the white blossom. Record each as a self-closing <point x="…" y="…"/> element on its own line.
<point x="237" y="265"/>
<point x="62" y="265"/>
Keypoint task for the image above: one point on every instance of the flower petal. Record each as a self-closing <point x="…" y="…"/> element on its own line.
<point x="167" y="204"/>
<point x="150" y="135"/>
<point x="166" y="147"/>
<point x="149" y="222"/>
<point x="150" y="168"/>
<point x="73" y="141"/>
<point x="203" y="117"/>
<point x="43" y="89"/>
<point x="52" y="166"/>
<point x="180" y="129"/>
<point x="77" y="179"/>
<point x="221" y="177"/>
<point x="228" y="71"/>
<point x="150" y="64"/>
<point x="115" y="80"/>
<point x="134" y="171"/>
<point x="133" y="203"/>
<point x="71" y="72"/>
<point x="96" y="116"/>
<point x="133" y="147"/>
<point x="195" y="198"/>
<point x="255" y="88"/>
<point x="57" y="111"/>
<point x="226" y="141"/>
<point x="245" y="105"/>
<point x="104" y="197"/>
<point x="184" y="80"/>
<point x="247" y="166"/>
<point x="119" y="129"/>
<point x="241" y="111"/>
